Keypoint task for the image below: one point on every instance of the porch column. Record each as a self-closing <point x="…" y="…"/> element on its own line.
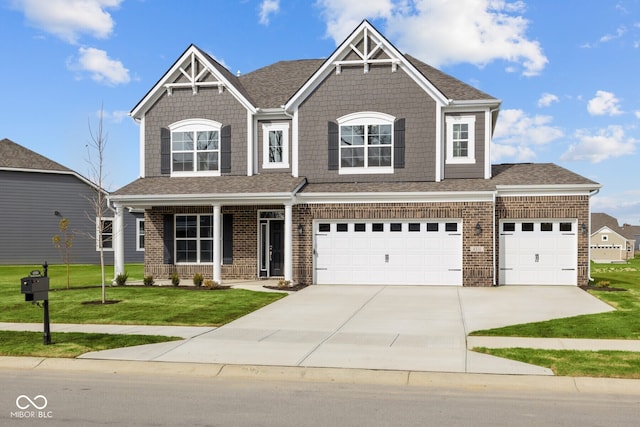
<point x="118" y="241"/>
<point x="217" y="238"/>
<point x="288" y="242"/>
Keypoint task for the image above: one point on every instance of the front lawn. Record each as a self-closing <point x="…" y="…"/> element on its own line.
<point x="573" y="363"/>
<point x="624" y="323"/>
<point x="136" y="304"/>
<point x="69" y="344"/>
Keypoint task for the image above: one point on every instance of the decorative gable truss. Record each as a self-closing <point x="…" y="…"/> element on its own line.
<point x="194" y="74"/>
<point x="368" y="49"/>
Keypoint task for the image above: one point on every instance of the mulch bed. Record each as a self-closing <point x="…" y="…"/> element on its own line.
<point x="603" y="289"/>
<point x="294" y="288"/>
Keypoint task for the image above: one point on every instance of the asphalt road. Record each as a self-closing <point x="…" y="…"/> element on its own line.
<point x="59" y="398"/>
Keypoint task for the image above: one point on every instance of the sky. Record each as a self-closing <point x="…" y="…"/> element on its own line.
<point x="566" y="71"/>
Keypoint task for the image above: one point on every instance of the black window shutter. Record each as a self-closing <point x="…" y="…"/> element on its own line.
<point x="225" y="149"/>
<point x="334" y="146"/>
<point x="165" y="151"/>
<point x="227" y="239"/>
<point x="167" y="239"/>
<point x="398" y="144"/>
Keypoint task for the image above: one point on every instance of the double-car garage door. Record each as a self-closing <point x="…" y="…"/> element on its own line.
<point x="416" y="252"/>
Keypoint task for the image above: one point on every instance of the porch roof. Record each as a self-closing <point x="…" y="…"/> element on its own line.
<point x="164" y="190"/>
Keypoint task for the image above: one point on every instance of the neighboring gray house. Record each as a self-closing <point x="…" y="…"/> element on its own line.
<point x="367" y="167"/>
<point x="35" y="194"/>
<point x="609" y="242"/>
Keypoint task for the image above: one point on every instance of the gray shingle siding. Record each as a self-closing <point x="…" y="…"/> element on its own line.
<point x="206" y="104"/>
<point x="379" y="90"/>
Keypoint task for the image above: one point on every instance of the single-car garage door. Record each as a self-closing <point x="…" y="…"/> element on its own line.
<point x="365" y="252"/>
<point x="538" y="252"/>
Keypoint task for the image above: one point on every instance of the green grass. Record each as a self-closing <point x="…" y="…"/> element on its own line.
<point x="606" y="364"/>
<point x="68" y="344"/>
<point x="137" y="304"/>
<point x="624" y="323"/>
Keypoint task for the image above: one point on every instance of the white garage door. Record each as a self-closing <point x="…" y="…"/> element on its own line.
<point x="365" y="252"/>
<point x="535" y="252"/>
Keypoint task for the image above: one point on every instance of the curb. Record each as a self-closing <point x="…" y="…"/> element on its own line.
<point x="469" y="381"/>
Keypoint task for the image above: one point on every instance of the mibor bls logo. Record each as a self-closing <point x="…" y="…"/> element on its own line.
<point x="31" y="407"/>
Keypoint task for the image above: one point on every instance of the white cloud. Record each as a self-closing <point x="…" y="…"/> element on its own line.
<point x="115" y="116"/>
<point x="268" y="8"/>
<point x="102" y="68"/>
<point x="595" y="147"/>
<point x="68" y="19"/>
<point x="604" y="103"/>
<point x="637" y="113"/>
<point x="441" y="32"/>
<point x="516" y="133"/>
<point x="547" y="99"/>
<point x="608" y="37"/>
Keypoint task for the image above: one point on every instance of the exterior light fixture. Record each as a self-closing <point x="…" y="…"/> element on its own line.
<point x="583" y="228"/>
<point x="478" y="229"/>
<point x="300" y="229"/>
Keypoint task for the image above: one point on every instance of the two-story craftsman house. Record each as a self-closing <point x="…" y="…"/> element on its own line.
<point x="368" y="167"/>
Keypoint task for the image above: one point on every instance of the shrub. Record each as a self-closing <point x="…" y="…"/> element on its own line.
<point x="283" y="284"/>
<point x="198" y="278"/>
<point x="175" y="278"/>
<point x="148" y="280"/>
<point x="121" y="279"/>
<point x="603" y="284"/>
<point x="211" y="284"/>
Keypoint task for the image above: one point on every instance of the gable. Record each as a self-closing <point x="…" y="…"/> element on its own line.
<point x="362" y="49"/>
<point x="194" y="70"/>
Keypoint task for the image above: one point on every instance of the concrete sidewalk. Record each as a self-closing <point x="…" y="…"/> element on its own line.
<point x="403" y="328"/>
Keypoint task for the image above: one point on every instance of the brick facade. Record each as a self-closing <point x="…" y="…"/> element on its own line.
<point x="549" y="207"/>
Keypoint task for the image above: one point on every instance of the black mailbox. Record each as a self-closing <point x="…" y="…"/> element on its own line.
<point x="35" y="288"/>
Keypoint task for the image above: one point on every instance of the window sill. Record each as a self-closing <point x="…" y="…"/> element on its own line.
<point x="461" y="161"/>
<point x="275" y="166"/>
<point x="194" y="174"/>
<point x="364" y="171"/>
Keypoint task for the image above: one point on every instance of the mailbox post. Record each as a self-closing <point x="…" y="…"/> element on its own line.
<point x="36" y="288"/>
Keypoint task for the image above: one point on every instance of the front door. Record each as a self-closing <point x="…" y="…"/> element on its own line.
<point x="271" y="243"/>
<point x="276" y="240"/>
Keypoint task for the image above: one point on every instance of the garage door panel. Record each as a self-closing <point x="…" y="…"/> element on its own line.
<point x="544" y="256"/>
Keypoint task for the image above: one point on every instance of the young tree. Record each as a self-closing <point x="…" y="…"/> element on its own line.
<point x="64" y="243"/>
<point x="95" y="158"/>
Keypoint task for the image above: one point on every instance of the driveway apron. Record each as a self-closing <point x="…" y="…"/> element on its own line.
<point x="374" y="327"/>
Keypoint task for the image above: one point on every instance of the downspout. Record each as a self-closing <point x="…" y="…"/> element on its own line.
<point x="591" y="194"/>
<point x="495" y="237"/>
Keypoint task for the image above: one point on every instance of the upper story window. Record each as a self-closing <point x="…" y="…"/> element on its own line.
<point x="366" y="143"/>
<point x="275" y="145"/>
<point x="461" y="139"/>
<point x="195" y="147"/>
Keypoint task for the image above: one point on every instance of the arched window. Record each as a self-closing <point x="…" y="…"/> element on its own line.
<point x="195" y="147"/>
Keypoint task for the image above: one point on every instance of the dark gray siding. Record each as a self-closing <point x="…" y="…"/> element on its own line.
<point x="206" y="104"/>
<point x="475" y="170"/>
<point x="379" y="90"/>
<point x="28" y="201"/>
<point x="130" y="236"/>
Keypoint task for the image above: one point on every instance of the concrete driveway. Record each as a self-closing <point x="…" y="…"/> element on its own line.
<point x="374" y="327"/>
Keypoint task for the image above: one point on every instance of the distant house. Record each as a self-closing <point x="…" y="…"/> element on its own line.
<point x="35" y="194"/>
<point x="609" y="242"/>
<point x="634" y="232"/>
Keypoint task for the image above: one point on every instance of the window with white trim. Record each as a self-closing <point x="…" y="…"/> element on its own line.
<point x="195" y="147"/>
<point x="104" y="239"/>
<point x="194" y="238"/>
<point x="275" y="145"/>
<point x="366" y="143"/>
<point x="461" y="139"/>
<point x="139" y="234"/>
